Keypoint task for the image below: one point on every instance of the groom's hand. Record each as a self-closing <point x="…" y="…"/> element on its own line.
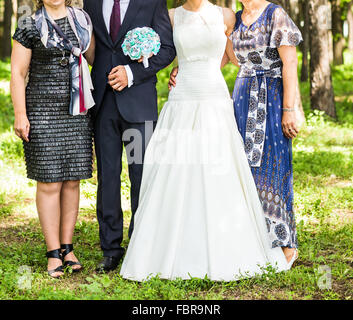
<point x="118" y="79"/>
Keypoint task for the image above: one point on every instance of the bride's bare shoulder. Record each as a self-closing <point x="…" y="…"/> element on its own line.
<point x="229" y="18"/>
<point x="229" y="15"/>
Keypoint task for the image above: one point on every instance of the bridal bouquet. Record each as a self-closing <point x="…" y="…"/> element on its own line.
<point x="141" y="43"/>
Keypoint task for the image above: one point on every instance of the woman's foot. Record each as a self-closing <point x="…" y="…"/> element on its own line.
<point x="55" y="265"/>
<point x="69" y="258"/>
<point x="291" y="255"/>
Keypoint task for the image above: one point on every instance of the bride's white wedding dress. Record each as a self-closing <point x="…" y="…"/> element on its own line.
<point x="199" y="212"/>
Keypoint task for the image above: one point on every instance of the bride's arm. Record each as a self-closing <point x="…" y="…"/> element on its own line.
<point x="174" y="73"/>
<point x="229" y="55"/>
<point x="229" y="22"/>
<point x="171" y="16"/>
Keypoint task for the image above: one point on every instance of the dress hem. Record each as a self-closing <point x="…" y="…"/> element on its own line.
<point x="86" y="177"/>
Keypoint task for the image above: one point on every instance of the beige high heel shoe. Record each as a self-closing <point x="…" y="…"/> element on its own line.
<point x="293" y="259"/>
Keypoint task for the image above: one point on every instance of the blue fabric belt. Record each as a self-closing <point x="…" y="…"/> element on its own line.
<point x="257" y="113"/>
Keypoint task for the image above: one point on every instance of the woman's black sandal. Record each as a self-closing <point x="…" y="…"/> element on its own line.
<point x="55" y="254"/>
<point x="67" y="249"/>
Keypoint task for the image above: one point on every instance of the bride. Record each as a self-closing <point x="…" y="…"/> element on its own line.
<point x="199" y="212"/>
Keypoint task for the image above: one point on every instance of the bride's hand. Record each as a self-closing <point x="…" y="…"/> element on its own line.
<point x="172" y="78"/>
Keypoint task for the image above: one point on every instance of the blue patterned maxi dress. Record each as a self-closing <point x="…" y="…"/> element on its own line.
<point x="258" y="102"/>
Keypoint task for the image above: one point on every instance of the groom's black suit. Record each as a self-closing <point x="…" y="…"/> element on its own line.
<point x="116" y="112"/>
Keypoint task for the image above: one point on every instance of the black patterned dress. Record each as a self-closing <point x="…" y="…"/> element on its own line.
<point x="60" y="147"/>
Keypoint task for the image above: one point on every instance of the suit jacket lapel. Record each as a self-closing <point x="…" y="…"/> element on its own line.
<point x="133" y="9"/>
<point x="101" y="27"/>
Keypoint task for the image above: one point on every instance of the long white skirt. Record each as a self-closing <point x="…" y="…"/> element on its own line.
<point x="199" y="212"/>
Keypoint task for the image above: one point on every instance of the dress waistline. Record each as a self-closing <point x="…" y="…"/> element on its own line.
<point x="270" y="73"/>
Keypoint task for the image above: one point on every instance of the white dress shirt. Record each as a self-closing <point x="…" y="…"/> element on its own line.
<point x="107" y="12"/>
<point x="108" y="8"/>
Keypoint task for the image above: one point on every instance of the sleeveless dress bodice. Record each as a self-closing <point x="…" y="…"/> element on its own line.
<point x="200" y="43"/>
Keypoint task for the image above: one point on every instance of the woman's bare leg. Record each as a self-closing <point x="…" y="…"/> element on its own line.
<point x="48" y="206"/>
<point x="70" y="200"/>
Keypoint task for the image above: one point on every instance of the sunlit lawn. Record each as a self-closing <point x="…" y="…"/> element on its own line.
<point x="323" y="175"/>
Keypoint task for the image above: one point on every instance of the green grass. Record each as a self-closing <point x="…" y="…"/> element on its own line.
<point x="323" y="181"/>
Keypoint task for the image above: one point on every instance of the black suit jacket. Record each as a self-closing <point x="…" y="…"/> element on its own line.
<point x="138" y="103"/>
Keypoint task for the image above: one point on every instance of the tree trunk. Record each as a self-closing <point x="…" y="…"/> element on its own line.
<point x="77" y="3"/>
<point x="228" y="3"/>
<point x="350" y="25"/>
<point x="304" y="75"/>
<point x="321" y="91"/>
<point x="285" y="4"/>
<point x="28" y="3"/>
<point x="218" y="2"/>
<point x="6" y="36"/>
<point x="337" y="32"/>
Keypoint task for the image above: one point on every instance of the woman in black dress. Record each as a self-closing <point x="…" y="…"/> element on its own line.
<point x="51" y="117"/>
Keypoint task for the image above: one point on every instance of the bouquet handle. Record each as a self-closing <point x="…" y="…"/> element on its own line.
<point x="145" y="61"/>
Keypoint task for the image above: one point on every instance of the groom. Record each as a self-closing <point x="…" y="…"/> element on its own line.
<point x="126" y="99"/>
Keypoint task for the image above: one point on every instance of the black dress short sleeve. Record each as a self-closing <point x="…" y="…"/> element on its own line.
<point x="60" y="145"/>
<point x="25" y="32"/>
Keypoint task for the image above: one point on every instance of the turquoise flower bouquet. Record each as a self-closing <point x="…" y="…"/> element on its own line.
<point x="141" y="43"/>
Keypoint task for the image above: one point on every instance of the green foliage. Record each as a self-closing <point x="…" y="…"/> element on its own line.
<point x="5" y="111"/>
<point x="343" y="72"/>
<point x="11" y="147"/>
<point x="5" y="70"/>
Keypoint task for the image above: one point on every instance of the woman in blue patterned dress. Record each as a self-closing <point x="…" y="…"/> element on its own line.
<point x="264" y="42"/>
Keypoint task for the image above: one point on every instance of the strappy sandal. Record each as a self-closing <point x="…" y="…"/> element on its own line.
<point x="55" y="254"/>
<point x="67" y="249"/>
